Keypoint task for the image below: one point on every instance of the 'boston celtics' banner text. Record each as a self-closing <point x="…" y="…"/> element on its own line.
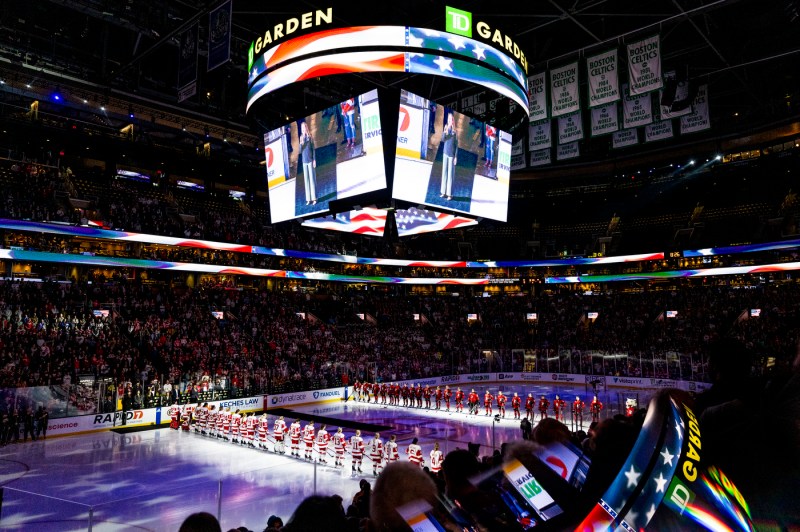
<point x="537" y="97"/>
<point x="698" y="120"/>
<point x="564" y="90"/>
<point x="539" y="136"/>
<point x="570" y="128"/>
<point x="603" y="79"/>
<point x="604" y="120"/>
<point x="644" y="65"/>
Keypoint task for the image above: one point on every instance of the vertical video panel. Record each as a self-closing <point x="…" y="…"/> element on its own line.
<point x="449" y="160"/>
<point x="332" y="154"/>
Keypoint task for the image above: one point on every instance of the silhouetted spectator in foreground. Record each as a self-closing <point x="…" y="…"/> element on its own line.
<point x="200" y="522"/>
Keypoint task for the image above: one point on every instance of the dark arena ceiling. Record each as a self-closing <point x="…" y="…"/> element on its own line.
<point x="746" y="50"/>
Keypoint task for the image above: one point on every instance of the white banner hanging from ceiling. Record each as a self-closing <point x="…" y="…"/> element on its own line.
<point x="540" y="135"/>
<point x="540" y="157"/>
<point x="605" y="120"/>
<point x="698" y="120"/>
<point x="570" y="128"/>
<point x="636" y="110"/>
<point x="568" y="151"/>
<point x="644" y="65"/>
<point x="537" y="97"/>
<point x="658" y="131"/>
<point x="564" y="90"/>
<point x="603" y="79"/>
<point x="674" y="97"/>
<point x="625" y="137"/>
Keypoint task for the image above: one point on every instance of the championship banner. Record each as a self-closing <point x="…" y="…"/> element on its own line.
<point x="605" y="120"/>
<point x="517" y="156"/>
<point x="603" y="78"/>
<point x="540" y="157"/>
<point x="537" y="97"/>
<point x="644" y="65"/>
<point x="187" y="63"/>
<point x="698" y="120"/>
<point x="564" y="90"/>
<point x="624" y="137"/>
<point x="568" y="151"/>
<point x="540" y="135"/>
<point x="658" y="131"/>
<point x="570" y="128"/>
<point x="219" y="36"/>
<point x="674" y="98"/>
<point x="636" y="110"/>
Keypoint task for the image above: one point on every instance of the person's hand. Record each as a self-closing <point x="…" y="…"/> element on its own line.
<point x="314" y="163"/>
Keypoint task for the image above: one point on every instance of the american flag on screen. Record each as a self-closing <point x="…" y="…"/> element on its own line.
<point x="367" y="221"/>
<point x="417" y="221"/>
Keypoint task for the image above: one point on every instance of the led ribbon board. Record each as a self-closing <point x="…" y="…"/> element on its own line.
<point x="674" y="274"/>
<point x="386" y="49"/>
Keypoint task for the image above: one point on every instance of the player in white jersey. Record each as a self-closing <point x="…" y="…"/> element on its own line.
<point x="376" y="453"/>
<point x="251" y="429"/>
<point x="211" y="421"/>
<point x="226" y="424"/>
<point x="236" y="422"/>
<point x="339" y="443"/>
<point x="414" y="453"/>
<point x="263" y="431"/>
<point x="279" y="431"/>
<point x="357" y="450"/>
<point x="201" y="417"/>
<point x="436" y="459"/>
<point x="322" y="444"/>
<point x="308" y="439"/>
<point x="294" y="435"/>
<point x="390" y="450"/>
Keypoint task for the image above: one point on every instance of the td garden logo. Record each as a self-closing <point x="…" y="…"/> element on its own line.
<point x="458" y="21"/>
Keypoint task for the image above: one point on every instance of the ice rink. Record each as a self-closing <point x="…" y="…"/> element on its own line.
<point x="153" y="479"/>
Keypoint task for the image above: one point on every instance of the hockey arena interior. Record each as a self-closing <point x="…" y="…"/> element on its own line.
<point x="428" y="266"/>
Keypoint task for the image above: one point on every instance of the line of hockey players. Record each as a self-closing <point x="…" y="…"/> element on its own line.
<point x="413" y="396"/>
<point x="314" y="445"/>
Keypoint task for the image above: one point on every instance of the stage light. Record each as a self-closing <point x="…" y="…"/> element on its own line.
<point x="691" y="162"/>
<point x="718" y="158"/>
<point x="85" y="101"/>
<point x="102" y="108"/>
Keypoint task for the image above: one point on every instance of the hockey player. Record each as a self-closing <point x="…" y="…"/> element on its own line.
<point x="186" y="417"/>
<point x="414" y="453"/>
<point x="501" y="403"/>
<point x="418" y="395"/>
<point x="558" y="408"/>
<point x="577" y="413"/>
<point x="375" y="448"/>
<point x="515" y="403"/>
<point x="294" y="435"/>
<point x="404" y="394"/>
<point x="357" y="390"/>
<point x="437" y="395"/>
<point x="630" y="407"/>
<point x="426" y="393"/>
<point x="211" y="421"/>
<point x="595" y="407"/>
<point x="529" y="403"/>
<point x="392" y="455"/>
<point x="396" y="394"/>
<point x="436" y="459"/>
<point x="308" y="439"/>
<point x="472" y="402"/>
<point x="226" y="424"/>
<point x="200" y="413"/>
<point x="236" y="421"/>
<point x="263" y="431"/>
<point x="376" y="391"/>
<point x="251" y="429"/>
<point x="322" y="444"/>
<point x="384" y="392"/>
<point x="447" y="395"/>
<point x="488" y="399"/>
<point x="339" y="443"/>
<point x="174" y="414"/>
<point x="357" y="450"/>
<point x="365" y="389"/>
<point x="279" y="432"/>
<point x="459" y="400"/>
<point x="543" y="404"/>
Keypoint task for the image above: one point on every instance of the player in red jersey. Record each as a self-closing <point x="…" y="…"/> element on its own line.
<point x="529" y="403"/>
<point x="404" y="394"/>
<point x="384" y="392"/>
<point x="459" y="400"/>
<point x="339" y="443"/>
<point x="357" y="389"/>
<point x="577" y="413"/>
<point x="515" y="404"/>
<point x="501" y="403"/>
<point x="543" y="405"/>
<point x="426" y="393"/>
<point x="558" y="408"/>
<point x="472" y="402"/>
<point x="437" y="395"/>
<point x="418" y="395"/>
<point x="447" y="395"/>
<point x="376" y="453"/>
<point x="595" y="407"/>
<point x="376" y="391"/>
<point x="488" y="399"/>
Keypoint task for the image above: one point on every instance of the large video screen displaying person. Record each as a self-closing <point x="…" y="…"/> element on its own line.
<point x="449" y="160"/>
<point x="333" y="154"/>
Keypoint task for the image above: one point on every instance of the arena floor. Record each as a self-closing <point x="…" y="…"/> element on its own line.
<point x="153" y="479"/>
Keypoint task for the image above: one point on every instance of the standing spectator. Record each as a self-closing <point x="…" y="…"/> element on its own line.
<point x="28" y="421"/>
<point x="526" y="427"/>
<point x="127" y="404"/>
<point x="42" y="418"/>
